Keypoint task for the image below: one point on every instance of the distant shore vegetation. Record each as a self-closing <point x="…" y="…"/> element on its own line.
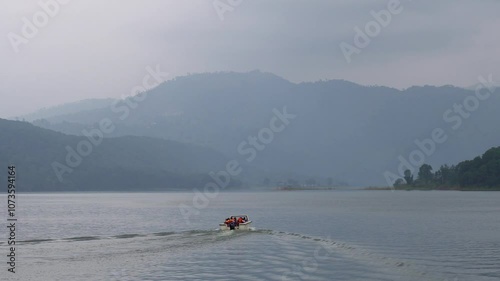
<point x="480" y="174"/>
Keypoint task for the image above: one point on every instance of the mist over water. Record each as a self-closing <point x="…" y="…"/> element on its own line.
<point x="351" y="235"/>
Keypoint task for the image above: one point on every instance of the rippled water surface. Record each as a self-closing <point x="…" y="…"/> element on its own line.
<point x="336" y="235"/>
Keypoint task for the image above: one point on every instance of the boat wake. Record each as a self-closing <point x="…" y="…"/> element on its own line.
<point x="182" y="235"/>
<point x="283" y="250"/>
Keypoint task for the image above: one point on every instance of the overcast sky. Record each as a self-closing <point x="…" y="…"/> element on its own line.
<point x="94" y="49"/>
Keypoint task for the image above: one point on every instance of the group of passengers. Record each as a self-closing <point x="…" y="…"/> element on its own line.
<point x="235" y="221"/>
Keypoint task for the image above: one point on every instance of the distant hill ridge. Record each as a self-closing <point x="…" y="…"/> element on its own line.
<point x="65" y="109"/>
<point x="124" y="163"/>
<point x="343" y="130"/>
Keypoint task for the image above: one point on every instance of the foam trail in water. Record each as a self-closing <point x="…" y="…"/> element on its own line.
<point x="363" y="255"/>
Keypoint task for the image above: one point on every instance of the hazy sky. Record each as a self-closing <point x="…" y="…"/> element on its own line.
<point x="91" y="48"/>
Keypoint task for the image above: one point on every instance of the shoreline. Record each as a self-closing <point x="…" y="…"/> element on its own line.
<point x="433" y="188"/>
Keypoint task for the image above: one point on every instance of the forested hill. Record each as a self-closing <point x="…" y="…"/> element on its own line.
<point x="124" y="163"/>
<point x="481" y="173"/>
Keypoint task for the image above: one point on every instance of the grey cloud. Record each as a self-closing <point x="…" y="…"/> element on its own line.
<point x="98" y="49"/>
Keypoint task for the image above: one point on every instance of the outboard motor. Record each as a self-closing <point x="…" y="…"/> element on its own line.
<point x="232" y="225"/>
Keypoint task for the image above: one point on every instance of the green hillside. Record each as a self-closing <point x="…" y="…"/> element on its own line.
<point x="123" y="163"/>
<point x="481" y="173"/>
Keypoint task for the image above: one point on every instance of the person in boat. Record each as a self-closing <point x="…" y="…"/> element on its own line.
<point x="235" y="221"/>
<point x="228" y="221"/>
<point x="241" y="220"/>
<point x="232" y="223"/>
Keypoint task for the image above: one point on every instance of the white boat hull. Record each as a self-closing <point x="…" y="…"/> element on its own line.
<point x="242" y="226"/>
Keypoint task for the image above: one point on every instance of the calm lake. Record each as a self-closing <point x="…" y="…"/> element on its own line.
<point x="303" y="235"/>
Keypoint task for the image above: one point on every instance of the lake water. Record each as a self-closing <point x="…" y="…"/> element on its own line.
<point x="320" y="235"/>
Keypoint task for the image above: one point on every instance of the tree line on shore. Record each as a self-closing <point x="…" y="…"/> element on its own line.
<point x="483" y="172"/>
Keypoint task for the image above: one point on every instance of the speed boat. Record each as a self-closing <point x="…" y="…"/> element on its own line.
<point x="245" y="225"/>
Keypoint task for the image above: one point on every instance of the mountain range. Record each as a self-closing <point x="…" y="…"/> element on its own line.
<point x="344" y="131"/>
